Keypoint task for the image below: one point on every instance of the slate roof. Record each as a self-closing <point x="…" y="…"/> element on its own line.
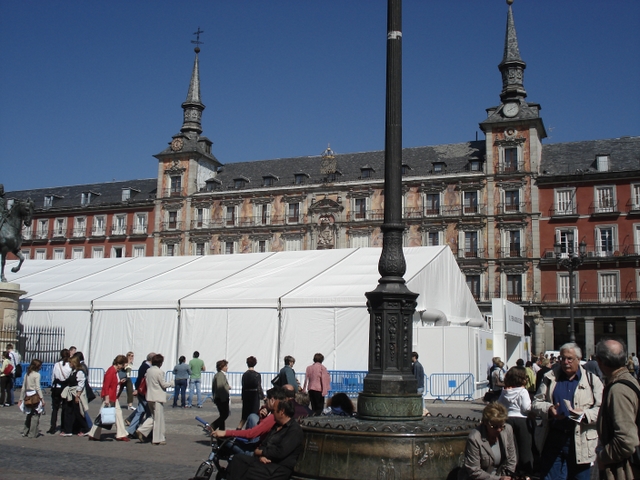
<point x="103" y="194"/>
<point x="349" y="165"/>
<point x="580" y="157"/>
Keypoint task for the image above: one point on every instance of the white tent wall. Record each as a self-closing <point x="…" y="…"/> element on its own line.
<point x="232" y="334"/>
<point x="76" y="324"/>
<point x="116" y="332"/>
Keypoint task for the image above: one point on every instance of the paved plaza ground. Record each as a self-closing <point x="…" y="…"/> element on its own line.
<point x="52" y="457"/>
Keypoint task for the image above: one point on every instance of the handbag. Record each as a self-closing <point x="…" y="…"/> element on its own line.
<point x="32" y="400"/>
<point x="91" y="396"/>
<point x="276" y="381"/>
<point x="98" y="422"/>
<point x="8" y="369"/>
<point x="108" y="415"/>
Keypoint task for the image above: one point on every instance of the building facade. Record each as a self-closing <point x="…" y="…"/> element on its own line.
<point x="491" y="201"/>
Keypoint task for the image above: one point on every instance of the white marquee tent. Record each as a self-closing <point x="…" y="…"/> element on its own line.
<point x="232" y="306"/>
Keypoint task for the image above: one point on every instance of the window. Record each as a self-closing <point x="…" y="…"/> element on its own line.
<point x="511" y="159"/>
<point x="359" y="240"/>
<point x="138" y="250"/>
<point x="360" y="208"/>
<point x="561" y="238"/>
<point x="43" y="228"/>
<point x="605" y="200"/>
<point x="173" y="219"/>
<point x="438" y="167"/>
<point x="293" y="244"/>
<point x="80" y="227"/>
<point x="170" y="250"/>
<point x="26" y="253"/>
<point x="365" y="172"/>
<point x="267" y="181"/>
<point x="432" y="204"/>
<point x="238" y="183"/>
<point x="470" y="201"/>
<point x="474" y="165"/>
<point x="473" y="282"/>
<point x="512" y="201"/>
<point x="564" y="287"/>
<point x="199" y="218"/>
<point x="513" y="240"/>
<point x="608" y="287"/>
<point x="85" y="199"/>
<point x="405" y="169"/>
<point x="140" y="226"/>
<point x="117" y="252"/>
<point x="565" y="202"/>
<point x="433" y="239"/>
<point x="77" y="253"/>
<point x="27" y="232"/>
<point x="264" y="214"/>
<point x="231" y="215"/>
<point x="471" y="244"/>
<point x="602" y="162"/>
<point x="99" y="223"/>
<point x="635" y="197"/>
<point x="199" y="249"/>
<point x="514" y="288"/>
<point x="260" y="246"/>
<point x="41" y="254"/>
<point x="120" y="225"/>
<point x="176" y="186"/>
<point x="229" y="248"/>
<point x="606" y="241"/>
<point x="294" y="213"/>
<point x="59" y="227"/>
<point x="299" y="178"/>
<point x="97" y="252"/>
<point x="48" y="201"/>
<point x="126" y="194"/>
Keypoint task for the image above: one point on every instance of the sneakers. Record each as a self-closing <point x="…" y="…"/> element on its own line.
<point x="199" y="406"/>
<point x="187" y="406"/>
<point x="131" y="407"/>
<point x="66" y="434"/>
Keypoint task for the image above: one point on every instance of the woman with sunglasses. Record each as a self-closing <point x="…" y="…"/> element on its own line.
<point x="490" y="453"/>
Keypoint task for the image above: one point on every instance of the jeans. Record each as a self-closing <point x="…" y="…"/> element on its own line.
<point x="137" y="417"/>
<point x="421" y="392"/>
<point x="180" y="389"/>
<point x="558" y="459"/>
<point x="243" y="445"/>
<point x="194" y="386"/>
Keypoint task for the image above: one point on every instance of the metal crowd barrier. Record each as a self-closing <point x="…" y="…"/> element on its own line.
<point x="444" y="386"/>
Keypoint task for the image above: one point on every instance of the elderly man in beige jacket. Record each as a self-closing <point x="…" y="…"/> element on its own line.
<point x="156" y="398"/>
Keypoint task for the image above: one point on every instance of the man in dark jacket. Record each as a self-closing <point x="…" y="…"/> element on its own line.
<point x="277" y="455"/>
<point x="137" y="417"/>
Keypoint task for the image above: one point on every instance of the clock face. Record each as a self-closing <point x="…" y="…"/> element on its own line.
<point x="510" y="109"/>
<point x="176" y="145"/>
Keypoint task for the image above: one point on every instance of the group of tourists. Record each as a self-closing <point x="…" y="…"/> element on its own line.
<point x="573" y="427"/>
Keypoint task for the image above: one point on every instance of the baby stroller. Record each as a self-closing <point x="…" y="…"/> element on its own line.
<point x="221" y="451"/>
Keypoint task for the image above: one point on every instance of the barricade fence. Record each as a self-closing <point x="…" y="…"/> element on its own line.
<point x="441" y="386"/>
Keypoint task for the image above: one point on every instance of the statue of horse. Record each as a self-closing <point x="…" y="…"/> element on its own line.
<point x="10" y="232"/>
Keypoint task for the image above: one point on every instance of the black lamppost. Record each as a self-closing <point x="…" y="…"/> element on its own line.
<point x="571" y="262"/>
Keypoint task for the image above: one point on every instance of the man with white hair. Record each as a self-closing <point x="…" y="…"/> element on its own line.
<point x="568" y="401"/>
<point x="617" y="430"/>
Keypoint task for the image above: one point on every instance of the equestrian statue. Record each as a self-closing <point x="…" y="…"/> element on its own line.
<point x="11" y="221"/>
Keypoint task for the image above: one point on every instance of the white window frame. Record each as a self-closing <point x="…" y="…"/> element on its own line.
<point x="27" y="231"/>
<point x="506" y="242"/>
<point x="600" y="251"/>
<point x="635" y="196"/>
<point x="462" y="250"/>
<point x="468" y="209"/>
<point x="119" y="224"/>
<point x="43" y="228"/>
<point x="519" y="158"/>
<point x="564" y="200"/>
<point x="602" y="163"/>
<point x="229" y="243"/>
<point x="78" y="229"/>
<point x="77" y="253"/>
<point x="429" y="212"/>
<point x="559" y="234"/>
<point x="136" y="249"/>
<point x="522" y="286"/>
<point x="562" y="286"/>
<point x="234" y="213"/>
<point x="140" y="227"/>
<point x="359" y="240"/>
<point x="604" y="203"/>
<point x="169" y="250"/>
<point x="112" y="253"/>
<point x="60" y="227"/>
<point x="98" y="230"/>
<point x="256" y="246"/>
<point x="26" y="253"/>
<point x="516" y="209"/>
<point x="293" y="244"/>
<point x="85" y="199"/>
<point x="205" y="246"/>
<point x="608" y="293"/>
<point x="289" y="216"/>
<point x="439" y="235"/>
<point x="41" y="254"/>
<point x="48" y="201"/>
<point x="258" y="210"/>
<point x="58" y="254"/>
<point x="357" y="215"/>
<point x="126" y="194"/>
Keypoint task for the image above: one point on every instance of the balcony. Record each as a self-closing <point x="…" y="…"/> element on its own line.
<point x="565" y="211"/>
<point x="171" y="225"/>
<point x="119" y="231"/>
<point x="138" y="230"/>
<point x="509" y="168"/>
<point x="511" y="208"/>
<point x="608" y="297"/>
<point x="79" y="232"/>
<point x="514" y="252"/>
<point x="471" y="253"/>
<point x="604" y="208"/>
<point x="633" y="207"/>
<point x="517" y="297"/>
<point x="205" y="224"/>
<point x="173" y="192"/>
<point x="97" y="231"/>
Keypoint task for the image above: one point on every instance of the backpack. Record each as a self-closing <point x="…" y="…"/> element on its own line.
<point x="490" y="376"/>
<point x="18" y="372"/>
<point x="635" y="457"/>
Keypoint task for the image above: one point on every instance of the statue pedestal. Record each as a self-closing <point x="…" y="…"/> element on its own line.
<point x="10" y="293"/>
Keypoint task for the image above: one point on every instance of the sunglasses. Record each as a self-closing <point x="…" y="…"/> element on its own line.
<point x="496" y="427"/>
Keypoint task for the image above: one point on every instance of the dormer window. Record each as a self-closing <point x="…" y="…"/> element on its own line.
<point x="240" y="182"/>
<point x="439" y="167"/>
<point x="366" y="171"/>
<point x="300" y="178"/>
<point x="212" y="184"/>
<point x="333" y="176"/>
<point x="48" y="201"/>
<point x="85" y="199"/>
<point x="126" y="194"/>
<point x="405" y="169"/>
<point x="475" y="165"/>
<point x="602" y="163"/>
<point x="269" y="180"/>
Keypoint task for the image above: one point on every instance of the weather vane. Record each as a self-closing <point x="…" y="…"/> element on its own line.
<point x="197" y="40"/>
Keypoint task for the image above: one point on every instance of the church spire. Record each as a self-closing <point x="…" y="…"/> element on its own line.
<point x="192" y="106"/>
<point x="512" y="67"/>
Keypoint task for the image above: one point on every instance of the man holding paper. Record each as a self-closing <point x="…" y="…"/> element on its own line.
<point x="568" y="401"/>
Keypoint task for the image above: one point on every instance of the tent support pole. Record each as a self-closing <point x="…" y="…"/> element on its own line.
<point x="277" y="369"/>
<point x="179" y="331"/>
<point x="88" y="358"/>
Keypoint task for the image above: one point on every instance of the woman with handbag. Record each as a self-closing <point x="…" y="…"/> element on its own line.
<point x="156" y="398"/>
<point x="73" y="420"/>
<point x="31" y="396"/>
<point x="220" y="390"/>
<point x="109" y="394"/>
<point x="6" y="380"/>
<point x="61" y="372"/>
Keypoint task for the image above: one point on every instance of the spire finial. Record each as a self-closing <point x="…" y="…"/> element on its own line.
<point x="197" y="40"/>
<point x="512" y="67"/>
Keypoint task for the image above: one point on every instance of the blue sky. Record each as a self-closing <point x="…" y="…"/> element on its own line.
<point x="89" y="91"/>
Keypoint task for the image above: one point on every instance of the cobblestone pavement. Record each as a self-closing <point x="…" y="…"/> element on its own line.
<point x="51" y="457"/>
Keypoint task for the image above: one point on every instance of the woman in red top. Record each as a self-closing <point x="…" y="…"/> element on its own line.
<point x="109" y="393"/>
<point x="317" y="381"/>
